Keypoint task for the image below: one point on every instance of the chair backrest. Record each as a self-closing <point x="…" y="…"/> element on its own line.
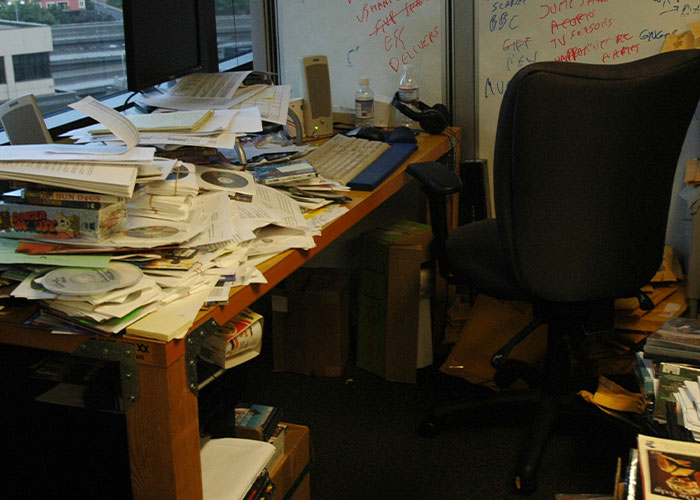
<point x="585" y="157"/>
<point x="22" y="121"/>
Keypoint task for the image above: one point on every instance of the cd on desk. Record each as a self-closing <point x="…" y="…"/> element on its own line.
<point x="178" y="172"/>
<point x="90" y="281"/>
<point x="216" y="179"/>
<point x="151" y="232"/>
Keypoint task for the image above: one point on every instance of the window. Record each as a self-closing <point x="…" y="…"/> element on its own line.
<point x="29" y="67"/>
<point x="75" y="48"/>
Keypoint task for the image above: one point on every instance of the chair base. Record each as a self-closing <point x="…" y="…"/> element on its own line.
<point x="546" y="411"/>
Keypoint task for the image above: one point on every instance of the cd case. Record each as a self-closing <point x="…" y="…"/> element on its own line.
<point x="22" y="220"/>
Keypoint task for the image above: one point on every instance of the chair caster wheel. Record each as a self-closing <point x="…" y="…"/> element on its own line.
<point x="428" y="429"/>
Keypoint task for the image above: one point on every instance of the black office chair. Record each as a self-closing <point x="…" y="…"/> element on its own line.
<point x="584" y="162"/>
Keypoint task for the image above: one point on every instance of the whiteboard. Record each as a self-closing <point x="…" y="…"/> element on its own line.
<point x="514" y="33"/>
<point x="362" y="38"/>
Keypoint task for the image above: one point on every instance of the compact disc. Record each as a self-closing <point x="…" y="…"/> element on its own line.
<point x="221" y="178"/>
<point x="90" y="281"/>
<point x="179" y="172"/>
<point x="150" y="232"/>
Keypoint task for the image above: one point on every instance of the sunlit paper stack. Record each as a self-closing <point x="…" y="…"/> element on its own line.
<point x="215" y="128"/>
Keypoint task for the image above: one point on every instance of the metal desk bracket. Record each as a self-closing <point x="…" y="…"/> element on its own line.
<point x="193" y="341"/>
<point x="122" y="353"/>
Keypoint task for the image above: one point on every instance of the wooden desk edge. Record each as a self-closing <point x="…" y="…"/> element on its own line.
<point x="158" y="353"/>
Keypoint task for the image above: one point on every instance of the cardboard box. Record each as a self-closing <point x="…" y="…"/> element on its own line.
<point x="389" y="298"/>
<point x="291" y="475"/>
<point x="311" y="322"/>
<point x="61" y="222"/>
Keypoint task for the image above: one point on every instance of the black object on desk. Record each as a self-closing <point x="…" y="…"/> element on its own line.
<point x="370" y="133"/>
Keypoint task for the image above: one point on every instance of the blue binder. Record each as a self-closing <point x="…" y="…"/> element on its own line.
<point x="382" y="167"/>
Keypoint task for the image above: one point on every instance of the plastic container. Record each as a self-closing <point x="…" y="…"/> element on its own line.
<point x="364" y="104"/>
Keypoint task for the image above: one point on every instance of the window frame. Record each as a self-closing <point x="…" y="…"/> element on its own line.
<point x="62" y="121"/>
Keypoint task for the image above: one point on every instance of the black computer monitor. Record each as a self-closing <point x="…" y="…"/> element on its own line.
<point x="167" y="39"/>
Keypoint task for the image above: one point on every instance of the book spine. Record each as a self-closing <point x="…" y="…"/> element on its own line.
<point x="47" y="202"/>
<point x="270" y="425"/>
<point x="66" y="196"/>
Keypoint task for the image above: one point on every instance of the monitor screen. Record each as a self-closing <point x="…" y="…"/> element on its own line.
<point x="167" y="39"/>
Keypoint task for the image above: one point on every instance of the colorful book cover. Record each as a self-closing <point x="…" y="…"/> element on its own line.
<point x="670" y="468"/>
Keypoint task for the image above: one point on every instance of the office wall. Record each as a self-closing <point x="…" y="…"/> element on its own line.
<point x="365" y="39"/>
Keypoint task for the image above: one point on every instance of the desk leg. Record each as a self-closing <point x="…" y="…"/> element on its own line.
<point x="163" y="430"/>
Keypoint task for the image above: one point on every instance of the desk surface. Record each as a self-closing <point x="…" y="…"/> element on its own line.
<point x="165" y="457"/>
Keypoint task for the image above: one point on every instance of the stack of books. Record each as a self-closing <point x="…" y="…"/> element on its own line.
<point x="256" y="421"/>
<point x="670" y="367"/>
<point x="678" y="339"/>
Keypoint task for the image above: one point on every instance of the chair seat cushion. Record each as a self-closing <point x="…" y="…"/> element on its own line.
<point x="475" y="256"/>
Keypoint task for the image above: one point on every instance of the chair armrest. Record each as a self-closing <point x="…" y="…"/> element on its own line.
<point x="436" y="178"/>
<point x="438" y="182"/>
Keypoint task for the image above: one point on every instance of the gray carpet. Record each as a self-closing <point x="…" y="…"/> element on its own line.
<point x="365" y="445"/>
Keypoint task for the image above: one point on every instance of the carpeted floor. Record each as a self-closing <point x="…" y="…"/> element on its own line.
<point x="365" y="445"/>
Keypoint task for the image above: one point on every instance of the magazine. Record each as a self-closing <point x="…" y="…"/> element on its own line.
<point x="670" y="468"/>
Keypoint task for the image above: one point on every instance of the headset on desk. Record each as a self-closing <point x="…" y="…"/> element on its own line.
<point x="432" y="119"/>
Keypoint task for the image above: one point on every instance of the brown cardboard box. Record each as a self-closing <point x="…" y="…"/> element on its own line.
<point x="388" y="299"/>
<point x="311" y="322"/>
<point x="292" y="471"/>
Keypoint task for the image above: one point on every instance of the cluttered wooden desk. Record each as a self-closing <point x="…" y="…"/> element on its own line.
<point x="159" y="384"/>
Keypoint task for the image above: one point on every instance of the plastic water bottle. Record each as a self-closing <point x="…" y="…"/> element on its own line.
<point x="364" y="104"/>
<point x="408" y="94"/>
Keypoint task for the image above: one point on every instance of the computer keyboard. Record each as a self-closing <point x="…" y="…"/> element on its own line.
<point x="342" y="158"/>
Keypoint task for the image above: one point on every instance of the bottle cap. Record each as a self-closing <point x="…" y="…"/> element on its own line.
<point x="364" y="81"/>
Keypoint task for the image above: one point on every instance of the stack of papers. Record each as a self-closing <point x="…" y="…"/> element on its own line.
<point x="223" y="91"/>
<point x="203" y="128"/>
<point x="190" y="234"/>
<point x="184" y="121"/>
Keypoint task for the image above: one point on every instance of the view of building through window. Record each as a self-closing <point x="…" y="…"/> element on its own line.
<point x="63" y="50"/>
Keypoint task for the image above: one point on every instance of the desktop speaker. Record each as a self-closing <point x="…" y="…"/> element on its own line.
<point x="318" y="112"/>
<point x="433" y="119"/>
<point x="22" y="121"/>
